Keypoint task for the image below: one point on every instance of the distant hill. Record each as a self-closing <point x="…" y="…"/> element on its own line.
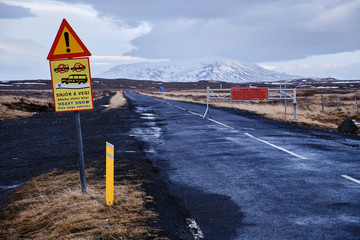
<point x="218" y="69"/>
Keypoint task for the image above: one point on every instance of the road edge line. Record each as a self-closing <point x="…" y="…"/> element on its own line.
<point x="351" y="179"/>
<point x="274" y="146"/>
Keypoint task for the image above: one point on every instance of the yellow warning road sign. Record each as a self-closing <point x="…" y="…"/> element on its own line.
<point x="71" y="82"/>
<point x="67" y="44"/>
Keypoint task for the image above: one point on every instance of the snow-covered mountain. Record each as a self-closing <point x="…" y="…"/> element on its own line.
<point x="218" y="69"/>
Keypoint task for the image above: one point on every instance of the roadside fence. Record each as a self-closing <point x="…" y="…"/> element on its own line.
<point x="332" y="102"/>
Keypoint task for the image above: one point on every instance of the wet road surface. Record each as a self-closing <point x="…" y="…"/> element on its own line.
<point x="237" y="176"/>
<point x="241" y="176"/>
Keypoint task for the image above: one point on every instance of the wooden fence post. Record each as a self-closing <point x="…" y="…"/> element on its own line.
<point x="307" y="102"/>
<point x="322" y="102"/>
<point x="357" y="109"/>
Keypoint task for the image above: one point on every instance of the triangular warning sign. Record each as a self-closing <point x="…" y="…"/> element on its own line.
<point x="67" y="44"/>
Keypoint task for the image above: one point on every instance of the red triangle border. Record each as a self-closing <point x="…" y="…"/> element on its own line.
<point x="51" y="55"/>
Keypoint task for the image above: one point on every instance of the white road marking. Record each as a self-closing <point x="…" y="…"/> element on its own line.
<point x="180" y="108"/>
<point x="351" y="179"/>
<point x="195" y="229"/>
<point x="247" y="134"/>
<point x="194" y="113"/>
<point x="222" y="124"/>
<point x="250" y="129"/>
<point x="277" y="147"/>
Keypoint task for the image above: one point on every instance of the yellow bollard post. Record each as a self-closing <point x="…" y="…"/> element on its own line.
<point x="109" y="174"/>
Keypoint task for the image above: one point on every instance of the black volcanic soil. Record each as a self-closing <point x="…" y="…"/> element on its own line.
<point x="32" y="146"/>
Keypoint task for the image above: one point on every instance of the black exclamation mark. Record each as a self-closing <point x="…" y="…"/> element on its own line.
<point x="66" y="35"/>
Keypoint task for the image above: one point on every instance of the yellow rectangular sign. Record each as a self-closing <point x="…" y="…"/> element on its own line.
<point x="109" y="173"/>
<point x="71" y="82"/>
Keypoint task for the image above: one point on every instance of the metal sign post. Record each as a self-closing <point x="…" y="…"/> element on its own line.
<point x="81" y="153"/>
<point x="71" y="81"/>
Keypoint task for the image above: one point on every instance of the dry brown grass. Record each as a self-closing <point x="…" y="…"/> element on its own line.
<point x="23" y="104"/>
<point x="52" y="206"/>
<point x="16" y="107"/>
<point x="309" y="111"/>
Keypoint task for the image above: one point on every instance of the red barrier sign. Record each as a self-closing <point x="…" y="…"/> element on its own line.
<point x="249" y="94"/>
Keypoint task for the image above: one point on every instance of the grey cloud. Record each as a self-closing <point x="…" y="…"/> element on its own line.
<point x="7" y="11"/>
<point x="264" y="30"/>
<point x="167" y="9"/>
<point x="267" y="32"/>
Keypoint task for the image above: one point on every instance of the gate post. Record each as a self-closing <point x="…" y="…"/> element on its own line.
<point x="285" y="102"/>
<point x="294" y="101"/>
<point x="207" y="102"/>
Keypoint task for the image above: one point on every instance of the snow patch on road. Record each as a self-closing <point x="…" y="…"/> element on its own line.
<point x="195" y="229"/>
<point x="151" y="133"/>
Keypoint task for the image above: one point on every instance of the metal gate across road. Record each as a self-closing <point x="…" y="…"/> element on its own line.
<point x="281" y="94"/>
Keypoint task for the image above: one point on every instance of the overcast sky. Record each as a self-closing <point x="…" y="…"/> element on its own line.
<point x="318" y="38"/>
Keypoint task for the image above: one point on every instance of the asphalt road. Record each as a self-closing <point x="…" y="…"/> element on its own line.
<point x="240" y="176"/>
<point x="236" y="176"/>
